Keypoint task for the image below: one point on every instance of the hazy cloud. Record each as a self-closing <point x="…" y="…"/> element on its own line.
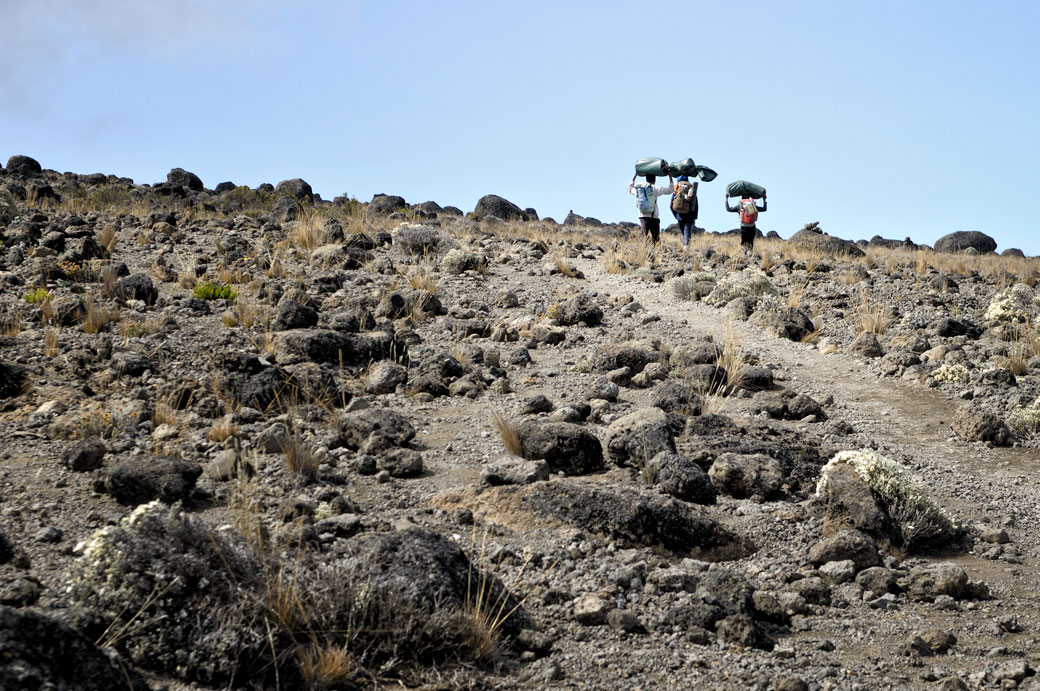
<point x="47" y="42"/>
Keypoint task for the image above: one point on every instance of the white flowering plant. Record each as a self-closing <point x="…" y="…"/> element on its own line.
<point x="1018" y="304"/>
<point x="951" y="373"/>
<point x="1024" y="421"/>
<point x="750" y="282"/>
<point x="916" y="518"/>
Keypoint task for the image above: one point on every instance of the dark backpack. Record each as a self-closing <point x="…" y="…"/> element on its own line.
<point x="682" y="200"/>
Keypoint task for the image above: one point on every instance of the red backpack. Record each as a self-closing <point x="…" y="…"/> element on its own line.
<point x="748" y="212"/>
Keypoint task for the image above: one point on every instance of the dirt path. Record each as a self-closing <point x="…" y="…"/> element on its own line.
<point x="978" y="484"/>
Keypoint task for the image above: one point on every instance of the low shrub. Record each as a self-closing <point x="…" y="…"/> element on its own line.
<point x="1024" y="421"/>
<point x="8" y="209"/>
<point x="38" y="296"/>
<point x="917" y="519"/>
<point x="750" y="282"/>
<point x="209" y="290"/>
<point x="1016" y="304"/>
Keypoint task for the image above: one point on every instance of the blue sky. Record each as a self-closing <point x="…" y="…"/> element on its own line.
<point x="882" y="118"/>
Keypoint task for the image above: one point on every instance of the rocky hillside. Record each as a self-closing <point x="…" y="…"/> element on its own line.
<point x="254" y="439"/>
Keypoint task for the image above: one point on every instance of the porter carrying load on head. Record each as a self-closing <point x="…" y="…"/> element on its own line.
<point x="652" y="166"/>
<point x="646" y="194"/>
<point x="747" y="208"/>
<point x="743" y="188"/>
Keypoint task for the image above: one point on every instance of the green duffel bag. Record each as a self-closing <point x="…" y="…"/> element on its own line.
<point x="683" y="167"/>
<point x="651" y="166"/>
<point x="706" y="174"/>
<point x="743" y="188"/>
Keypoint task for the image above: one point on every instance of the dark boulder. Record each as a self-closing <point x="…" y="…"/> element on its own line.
<point x="638" y="517"/>
<point x="949" y="327"/>
<point x="182" y="178"/>
<point x="849" y="503"/>
<point x="137" y="287"/>
<point x="847" y="544"/>
<point x="825" y="243"/>
<point x="24" y="166"/>
<point x="632" y="354"/>
<point x="680" y="477"/>
<point x="142" y="479"/>
<point x="294" y="315"/>
<point x="786" y="322"/>
<point x="296" y="188"/>
<point x="750" y="475"/>
<point x="127" y="363"/>
<point x="384" y="205"/>
<point x="420" y="569"/>
<point x="286" y="209"/>
<point x="564" y="446"/>
<point x="13" y="380"/>
<point x="493" y="205"/>
<point x="41" y="652"/>
<point x="632" y="440"/>
<point x="357" y="427"/>
<point x="84" y="455"/>
<point x="579" y="309"/>
<point x="965" y="239"/>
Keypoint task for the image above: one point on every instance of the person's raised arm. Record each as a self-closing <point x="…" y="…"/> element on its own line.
<point x="728" y="207"/>
<point x="764" y="204"/>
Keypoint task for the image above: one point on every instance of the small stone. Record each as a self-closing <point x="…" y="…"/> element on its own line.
<point x="996" y="536"/>
<point x="838" y="572"/>
<point x="790" y="683"/>
<point x="85" y="455"/>
<point x="624" y="620"/>
<point x="591" y="610"/>
<point x="938" y="641"/>
<point x="50" y="534"/>
<point x="536" y="404"/>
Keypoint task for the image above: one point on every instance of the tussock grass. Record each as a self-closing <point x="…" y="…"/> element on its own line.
<point x="108" y="237"/>
<point x="51" y="343"/>
<point x="732" y="357"/>
<point x="873" y="314"/>
<point x="308" y="233"/>
<point x="97" y="315"/>
<point x="222" y="431"/>
<point x="508" y="433"/>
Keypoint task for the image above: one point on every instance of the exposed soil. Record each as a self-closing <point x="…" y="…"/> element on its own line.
<point x="849" y="639"/>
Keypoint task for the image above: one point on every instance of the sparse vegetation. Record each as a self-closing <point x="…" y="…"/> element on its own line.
<point x="209" y="290"/>
<point x="38" y="296"/>
<point x="508" y="433"/>
<point x="918" y="520"/>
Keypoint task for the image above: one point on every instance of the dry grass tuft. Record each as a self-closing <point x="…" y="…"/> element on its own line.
<point x="324" y="665"/>
<point x="108" y="237"/>
<point x="732" y="357"/>
<point x="873" y="314"/>
<point x="301" y="459"/>
<point x="308" y="233"/>
<point x="51" y="346"/>
<point x="96" y="315"/>
<point x="508" y="433"/>
<point x="222" y="431"/>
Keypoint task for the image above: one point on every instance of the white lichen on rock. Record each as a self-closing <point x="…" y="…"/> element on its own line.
<point x="916" y="516"/>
